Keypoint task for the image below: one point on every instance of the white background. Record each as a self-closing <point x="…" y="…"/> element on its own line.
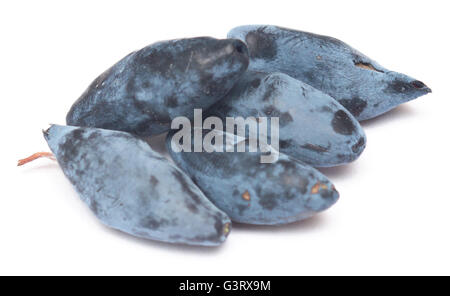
<point x="393" y="217"/>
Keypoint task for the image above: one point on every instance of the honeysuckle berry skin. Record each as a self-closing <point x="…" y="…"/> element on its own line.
<point x="357" y="82"/>
<point x="257" y="193"/>
<point x="131" y="188"/>
<point x="313" y="127"/>
<point x="144" y="91"/>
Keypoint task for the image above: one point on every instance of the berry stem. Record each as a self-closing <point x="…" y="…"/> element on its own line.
<point x="36" y="156"/>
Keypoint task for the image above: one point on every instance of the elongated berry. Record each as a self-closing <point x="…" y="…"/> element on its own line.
<point x="253" y="192"/>
<point x="357" y="82"/>
<point x="144" y="91"/>
<point x="131" y="188"/>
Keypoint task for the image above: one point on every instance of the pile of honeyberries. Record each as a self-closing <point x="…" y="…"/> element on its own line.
<point x="317" y="88"/>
